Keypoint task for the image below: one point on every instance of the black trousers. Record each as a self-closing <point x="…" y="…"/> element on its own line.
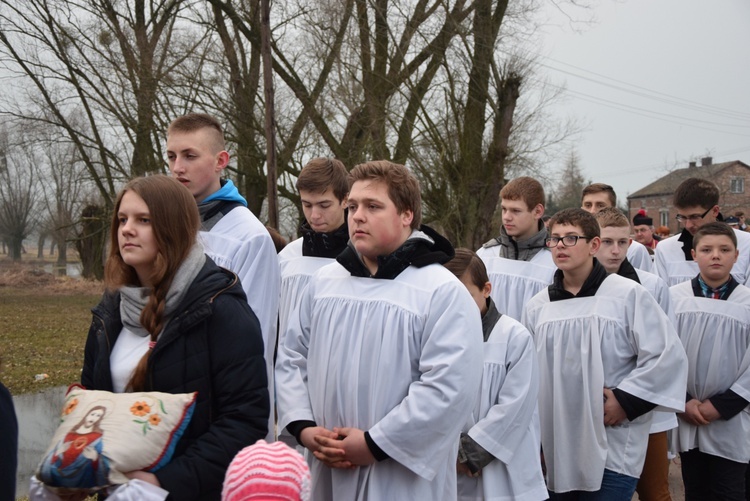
<point x="712" y="478"/>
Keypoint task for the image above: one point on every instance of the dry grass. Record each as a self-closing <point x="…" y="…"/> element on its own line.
<point x="45" y="322"/>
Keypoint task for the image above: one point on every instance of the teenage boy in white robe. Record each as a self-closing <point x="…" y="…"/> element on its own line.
<point x="612" y="254"/>
<point x="374" y="372"/>
<point x="598" y="196"/>
<point x="498" y="455"/>
<point x="518" y="263"/>
<point x="607" y="356"/>
<point x="712" y="313"/>
<point x="322" y="185"/>
<point x="231" y="234"/>
<point x="697" y="203"/>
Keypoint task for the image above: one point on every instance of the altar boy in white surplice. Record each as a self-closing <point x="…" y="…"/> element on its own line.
<point x="498" y="456"/>
<point x="607" y="356"/>
<point x="712" y="313"/>
<point x="381" y="352"/>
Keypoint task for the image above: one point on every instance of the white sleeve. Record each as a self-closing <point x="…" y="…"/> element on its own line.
<point x="504" y="427"/>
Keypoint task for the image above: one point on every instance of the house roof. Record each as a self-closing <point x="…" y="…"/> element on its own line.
<point x="666" y="185"/>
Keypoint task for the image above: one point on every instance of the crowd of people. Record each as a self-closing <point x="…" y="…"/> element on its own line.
<point x="561" y="360"/>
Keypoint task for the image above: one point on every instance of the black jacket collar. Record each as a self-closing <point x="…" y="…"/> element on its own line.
<point x="329" y="245"/>
<point x="416" y="251"/>
<point x="626" y="270"/>
<point x="589" y="288"/>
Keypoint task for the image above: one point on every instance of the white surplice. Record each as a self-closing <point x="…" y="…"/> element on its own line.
<point x="400" y="358"/>
<point x="618" y="338"/>
<point x="673" y="268"/>
<point x="515" y="282"/>
<point x="639" y="257"/>
<point x="502" y="421"/>
<point x="662" y="421"/>
<point x="716" y="337"/>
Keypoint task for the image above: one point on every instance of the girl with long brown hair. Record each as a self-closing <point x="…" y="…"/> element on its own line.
<point x="173" y="321"/>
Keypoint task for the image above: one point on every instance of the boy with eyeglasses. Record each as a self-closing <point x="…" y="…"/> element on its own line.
<point x="607" y="356"/>
<point x="697" y="203"/>
<point x="615" y="234"/>
<point x="712" y="317"/>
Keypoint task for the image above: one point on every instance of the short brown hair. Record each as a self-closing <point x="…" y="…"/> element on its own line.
<point x="696" y="192"/>
<point x="403" y="187"/>
<point x="322" y="173"/>
<point x="600" y="188"/>
<point x="612" y="216"/>
<point x="467" y="260"/>
<point x="197" y="121"/>
<point x="524" y="188"/>
<point x="715" y="228"/>
<point x="577" y="217"/>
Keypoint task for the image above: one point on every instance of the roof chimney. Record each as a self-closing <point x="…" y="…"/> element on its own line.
<point x="692" y="165"/>
<point x="706" y="161"/>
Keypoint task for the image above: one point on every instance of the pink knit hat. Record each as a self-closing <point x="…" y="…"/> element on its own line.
<point x="267" y="472"/>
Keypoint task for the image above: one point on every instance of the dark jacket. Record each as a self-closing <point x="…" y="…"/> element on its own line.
<point x="8" y="445"/>
<point x="212" y="345"/>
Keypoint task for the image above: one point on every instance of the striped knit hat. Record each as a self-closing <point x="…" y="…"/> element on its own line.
<point x="267" y="472"/>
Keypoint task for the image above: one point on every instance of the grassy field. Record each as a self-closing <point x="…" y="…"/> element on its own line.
<point x="44" y="325"/>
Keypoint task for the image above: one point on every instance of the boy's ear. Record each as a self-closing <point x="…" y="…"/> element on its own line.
<point x="595" y="244"/>
<point x="538" y="211"/>
<point x="222" y="160"/>
<point x="692" y="253"/>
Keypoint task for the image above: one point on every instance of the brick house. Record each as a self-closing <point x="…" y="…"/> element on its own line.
<point x="656" y="197"/>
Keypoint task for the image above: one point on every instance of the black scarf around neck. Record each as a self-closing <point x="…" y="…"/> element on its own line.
<point x="328" y="245"/>
<point x="589" y="288"/>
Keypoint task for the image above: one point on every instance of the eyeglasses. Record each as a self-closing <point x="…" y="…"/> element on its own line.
<point x="567" y="240"/>
<point x="692" y="217"/>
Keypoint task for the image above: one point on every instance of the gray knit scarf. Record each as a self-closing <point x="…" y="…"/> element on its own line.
<point x="134" y="299"/>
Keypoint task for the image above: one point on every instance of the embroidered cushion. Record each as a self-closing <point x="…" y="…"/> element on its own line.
<point x="103" y="435"/>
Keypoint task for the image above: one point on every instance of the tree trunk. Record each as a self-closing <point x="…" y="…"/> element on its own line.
<point x="92" y="241"/>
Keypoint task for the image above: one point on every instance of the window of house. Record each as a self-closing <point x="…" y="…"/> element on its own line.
<point x="664" y="217"/>
<point x="737" y="185"/>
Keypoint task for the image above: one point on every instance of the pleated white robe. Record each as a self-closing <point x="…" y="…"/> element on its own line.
<point x="618" y="338"/>
<point x="716" y="337"/>
<point x="503" y="420"/>
<point x="396" y="357"/>
<point x="515" y="282"/>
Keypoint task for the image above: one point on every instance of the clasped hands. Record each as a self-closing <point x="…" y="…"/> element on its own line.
<point x="699" y="413"/>
<point x="344" y="448"/>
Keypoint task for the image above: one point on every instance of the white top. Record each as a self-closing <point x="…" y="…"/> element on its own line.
<point x="128" y="350"/>
<point x="296" y="271"/>
<point x="241" y="243"/>
<point x="502" y="420"/>
<point x="394" y="357"/>
<point x="716" y="337"/>
<point x="618" y="338"/>
<point x="639" y="257"/>
<point x="515" y="282"/>
<point x="673" y="268"/>
<point x="662" y="421"/>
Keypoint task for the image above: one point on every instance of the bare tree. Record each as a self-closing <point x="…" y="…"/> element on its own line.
<point x="18" y="195"/>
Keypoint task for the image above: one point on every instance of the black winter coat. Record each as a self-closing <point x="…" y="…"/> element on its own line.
<point x="212" y="345"/>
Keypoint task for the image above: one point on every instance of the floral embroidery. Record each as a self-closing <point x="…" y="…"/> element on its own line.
<point x="140" y="408"/>
<point x="70" y="406"/>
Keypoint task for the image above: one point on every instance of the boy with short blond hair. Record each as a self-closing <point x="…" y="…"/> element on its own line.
<point x="712" y="316"/>
<point x="615" y="235"/>
<point x="518" y="263"/>
<point x="598" y="196"/>
<point x="231" y="234"/>
<point x="599" y="337"/>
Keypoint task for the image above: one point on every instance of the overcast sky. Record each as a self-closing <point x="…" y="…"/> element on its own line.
<point x="656" y="83"/>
